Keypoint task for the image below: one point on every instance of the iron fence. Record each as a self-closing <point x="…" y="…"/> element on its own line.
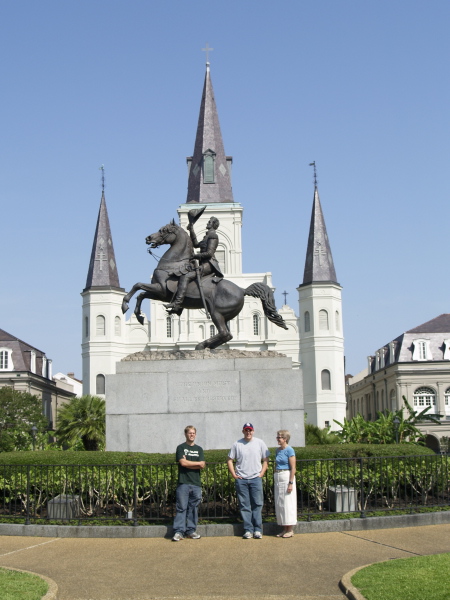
<point x="146" y="493"/>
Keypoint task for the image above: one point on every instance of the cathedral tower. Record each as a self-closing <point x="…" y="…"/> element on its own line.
<point x="322" y="340"/>
<point x="103" y="322"/>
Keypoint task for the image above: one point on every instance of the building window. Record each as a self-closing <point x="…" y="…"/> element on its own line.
<point x="4" y="360"/>
<point x="212" y="330"/>
<point x="307" y="322"/>
<point x="44" y="367"/>
<point x="220" y="256"/>
<point x="100" y="384"/>
<point x="255" y="325"/>
<point x="86" y="326"/>
<point x="208" y="166"/>
<point x="424" y="397"/>
<point x="447" y="397"/>
<point x="392" y="399"/>
<point x="337" y="321"/>
<point x="323" y="320"/>
<point x="326" y="379"/>
<point x="33" y="361"/>
<point x="169" y="327"/>
<point x="421" y="350"/>
<point x="117" y="325"/>
<point x="100" y="325"/>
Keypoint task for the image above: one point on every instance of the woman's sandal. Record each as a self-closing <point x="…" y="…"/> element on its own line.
<point x="289" y="534"/>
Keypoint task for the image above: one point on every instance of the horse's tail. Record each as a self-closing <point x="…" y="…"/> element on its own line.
<point x="265" y="294"/>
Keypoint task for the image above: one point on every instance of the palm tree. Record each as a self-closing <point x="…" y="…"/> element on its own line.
<point x="82" y="418"/>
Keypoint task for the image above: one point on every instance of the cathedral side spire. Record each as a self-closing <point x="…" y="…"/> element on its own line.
<point x="209" y="178"/>
<point x="319" y="264"/>
<point x="102" y="267"/>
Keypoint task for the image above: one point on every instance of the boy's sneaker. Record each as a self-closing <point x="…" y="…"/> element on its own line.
<point x="178" y="537"/>
<point x="247" y="535"/>
<point x="194" y="535"/>
<point x="257" y="535"/>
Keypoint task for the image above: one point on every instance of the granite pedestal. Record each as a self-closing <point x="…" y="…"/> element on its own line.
<point x="154" y="395"/>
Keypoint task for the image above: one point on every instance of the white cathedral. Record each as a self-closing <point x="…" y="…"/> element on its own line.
<point x="314" y="340"/>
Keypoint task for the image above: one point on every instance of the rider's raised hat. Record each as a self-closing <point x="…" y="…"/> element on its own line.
<point x="248" y="426"/>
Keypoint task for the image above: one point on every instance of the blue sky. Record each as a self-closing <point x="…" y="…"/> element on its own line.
<point x="362" y="88"/>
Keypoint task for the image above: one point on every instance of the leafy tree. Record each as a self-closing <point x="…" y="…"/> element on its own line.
<point x="82" y="419"/>
<point x="19" y="411"/>
<point x="384" y="431"/>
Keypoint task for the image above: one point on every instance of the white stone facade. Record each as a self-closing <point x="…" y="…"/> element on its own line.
<point x="322" y="353"/>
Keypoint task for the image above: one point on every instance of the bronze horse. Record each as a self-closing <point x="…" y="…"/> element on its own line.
<point x="223" y="298"/>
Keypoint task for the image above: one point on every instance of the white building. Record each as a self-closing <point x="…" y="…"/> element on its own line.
<point x="107" y="336"/>
<point x="416" y="365"/>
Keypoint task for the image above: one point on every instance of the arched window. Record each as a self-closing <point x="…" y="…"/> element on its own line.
<point x="307" y="322"/>
<point x="100" y="325"/>
<point x="447" y="401"/>
<point x="337" y="320"/>
<point x="212" y="330"/>
<point x="326" y="379"/>
<point x="169" y="327"/>
<point x="86" y="326"/>
<point x="423" y="397"/>
<point x="117" y="325"/>
<point x="255" y="325"/>
<point x="323" y="320"/>
<point x="100" y="384"/>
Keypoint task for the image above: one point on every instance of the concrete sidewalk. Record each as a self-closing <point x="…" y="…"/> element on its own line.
<point x="306" y="567"/>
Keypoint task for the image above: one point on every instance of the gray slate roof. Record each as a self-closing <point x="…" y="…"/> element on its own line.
<point x="440" y="324"/>
<point x="102" y="267"/>
<point x="319" y="264"/>
<point x="209" y="137"/>
<point x="435" y="331"/>
<point x="21" y="352"/>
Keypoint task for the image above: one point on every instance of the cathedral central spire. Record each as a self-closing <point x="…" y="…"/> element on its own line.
<point x="209" y="168"/>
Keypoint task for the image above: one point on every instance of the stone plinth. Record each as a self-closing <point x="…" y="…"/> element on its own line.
<point x="154" y="395"/>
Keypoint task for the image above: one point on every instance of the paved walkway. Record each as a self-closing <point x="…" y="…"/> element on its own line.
<point x="305" y="567"/>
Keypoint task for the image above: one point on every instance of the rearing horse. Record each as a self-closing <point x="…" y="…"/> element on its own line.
<point x="223" y="298"/>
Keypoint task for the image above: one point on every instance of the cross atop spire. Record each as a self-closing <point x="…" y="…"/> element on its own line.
<point x="207" y="50"/>
<point x="313" y="164"/>
<point x="102" y="169"/>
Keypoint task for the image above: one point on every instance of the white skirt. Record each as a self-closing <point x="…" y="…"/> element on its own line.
<point x="285" y="504"/>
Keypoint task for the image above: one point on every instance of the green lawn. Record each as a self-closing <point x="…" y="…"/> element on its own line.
<point x="21" y="586"/>
<point x="417" y="578"/>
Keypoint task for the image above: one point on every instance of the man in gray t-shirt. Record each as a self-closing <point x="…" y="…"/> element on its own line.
<point x="249" y="452"/>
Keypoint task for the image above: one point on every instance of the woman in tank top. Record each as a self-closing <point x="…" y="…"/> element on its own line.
<point x="285" y="488"/>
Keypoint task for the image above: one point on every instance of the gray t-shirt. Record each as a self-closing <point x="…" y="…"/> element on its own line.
<point x="248" y="456"/>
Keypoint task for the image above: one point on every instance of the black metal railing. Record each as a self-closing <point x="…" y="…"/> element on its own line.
<point x="146" y="493"/>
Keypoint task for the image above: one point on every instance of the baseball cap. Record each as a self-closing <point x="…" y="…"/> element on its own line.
<point x="248" y="426"/>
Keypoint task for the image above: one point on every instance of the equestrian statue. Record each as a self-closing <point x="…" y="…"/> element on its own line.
<point x="185" y="279"/>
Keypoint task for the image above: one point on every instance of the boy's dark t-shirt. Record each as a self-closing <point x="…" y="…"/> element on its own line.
<point x="194" y="453"/>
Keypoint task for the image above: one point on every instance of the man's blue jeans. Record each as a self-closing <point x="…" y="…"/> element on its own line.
<point x="251" y="500"/>
<point x="188" y="499"/>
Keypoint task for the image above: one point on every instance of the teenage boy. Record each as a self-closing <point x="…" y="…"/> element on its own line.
<point x="248" y="452"/>
<point x="189" y="492"/>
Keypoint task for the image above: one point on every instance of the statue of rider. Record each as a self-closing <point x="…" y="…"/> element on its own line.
<point x="208" y="263"/>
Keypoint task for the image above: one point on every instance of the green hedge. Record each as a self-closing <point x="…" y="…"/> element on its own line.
<point x="55" y="457"/>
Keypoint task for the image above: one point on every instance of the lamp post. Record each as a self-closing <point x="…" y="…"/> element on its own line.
<point x="34" y="431"/>
<point x="396" y="422"/>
